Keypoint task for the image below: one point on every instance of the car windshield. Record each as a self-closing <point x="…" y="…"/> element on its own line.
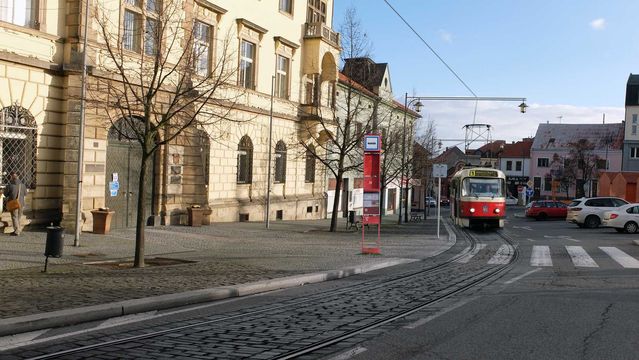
<point x="483" y="187"/>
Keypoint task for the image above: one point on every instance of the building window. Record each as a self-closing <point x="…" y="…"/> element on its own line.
<point x="20" y="12"/>
<point x="634" y="119"/>
<point x="286" y="6"/>
<point x="542" y="162"/>
<point x="245" y="161"/>
<point x="280" y="162"/>
<point x="202" y="48"/>
<point x="247" y="64"/>
<point x="316" y="11"/>
<point x="282" y="77"/>
<point x="130" y="35"/>
<point x="309" y="175"/>
<point x="634" y="152"/>
<point x="602" y="164"/>
<point x="548" y="183"/>
<point x="139" y="26"/>
<point x="509" y="165"/>
<point x="518" y="166"/>
<point x="18" y="147"/>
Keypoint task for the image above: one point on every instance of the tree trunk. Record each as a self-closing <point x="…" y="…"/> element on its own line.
<point x="140" y="221"/>
<point x="338" y="190"/>
<point x="382" y="191"/>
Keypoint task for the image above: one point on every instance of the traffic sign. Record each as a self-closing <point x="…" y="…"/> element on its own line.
<point x="440" y="170"/>
<point x="529" y="192"/>
<point x="530" y="183"/>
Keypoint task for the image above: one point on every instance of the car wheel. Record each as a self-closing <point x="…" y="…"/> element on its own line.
<point x="630" y="227"/>
<point x="541" y="216"/>
<point x="592" y="221"/>
<point x="620" y="230"/>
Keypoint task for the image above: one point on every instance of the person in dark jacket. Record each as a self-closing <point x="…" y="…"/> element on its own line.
<point x="15" y="190"/>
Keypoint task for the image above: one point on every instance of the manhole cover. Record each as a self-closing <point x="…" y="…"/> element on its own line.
<point x="128" y="264"/>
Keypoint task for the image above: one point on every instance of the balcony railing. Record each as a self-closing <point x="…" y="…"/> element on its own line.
<point x="320" y="30"/>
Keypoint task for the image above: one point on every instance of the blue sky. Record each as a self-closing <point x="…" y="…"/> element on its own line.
<point x="568" y="58"/>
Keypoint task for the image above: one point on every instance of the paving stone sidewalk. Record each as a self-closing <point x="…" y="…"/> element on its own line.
<point x="218" y="255"/>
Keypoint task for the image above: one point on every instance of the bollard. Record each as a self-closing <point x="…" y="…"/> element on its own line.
<point x="55" y="243"/>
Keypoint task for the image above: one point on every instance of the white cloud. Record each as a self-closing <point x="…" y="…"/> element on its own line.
<point x="445" y="36"/>
<point x="507" y="123"/>
<point x="598" y="24"/>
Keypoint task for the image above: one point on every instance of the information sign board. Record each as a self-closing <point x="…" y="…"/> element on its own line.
<point x="440" y="170"/>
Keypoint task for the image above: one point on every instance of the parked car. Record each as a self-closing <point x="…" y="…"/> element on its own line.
<point x="430" y="201"/>
<point x="511" y="200"/>
<point x="588" y="212"/>
<point x="623" y="219"/>
<point x="444" y="202"/>
<point x="542" y="209"/>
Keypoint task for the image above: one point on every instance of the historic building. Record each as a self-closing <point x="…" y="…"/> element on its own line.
<point x="287" y="43"/>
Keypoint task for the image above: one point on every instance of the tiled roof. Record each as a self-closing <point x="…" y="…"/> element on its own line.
<point x="559" y="136"/>
<point x="519" y="149"/>
<point x="359" y="87"/>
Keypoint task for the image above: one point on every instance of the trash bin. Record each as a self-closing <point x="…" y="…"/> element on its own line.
<point x="196" y="214"/>
<point x="102" y="220"/>
<point x="55" y="241"/>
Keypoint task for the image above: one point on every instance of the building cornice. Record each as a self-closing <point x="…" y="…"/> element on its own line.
<point x="251" y="25"/>
<point x="29" y="61"/>
<point x="288" y="43"/>
<point x="215" y="8"/>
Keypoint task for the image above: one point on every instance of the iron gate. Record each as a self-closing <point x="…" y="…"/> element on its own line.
<point x="18" y="134"/>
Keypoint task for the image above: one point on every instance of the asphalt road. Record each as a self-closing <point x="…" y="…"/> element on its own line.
<point x="555" y="311"/>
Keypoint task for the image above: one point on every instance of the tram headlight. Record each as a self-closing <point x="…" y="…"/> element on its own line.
<point x="472" y="210"/>
<point x="497" y="211"/>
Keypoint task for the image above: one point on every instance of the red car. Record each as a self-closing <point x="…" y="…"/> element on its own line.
<point x="543" y="209"/>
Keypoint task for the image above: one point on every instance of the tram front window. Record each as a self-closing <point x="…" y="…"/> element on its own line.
<point x="483" y="187"/>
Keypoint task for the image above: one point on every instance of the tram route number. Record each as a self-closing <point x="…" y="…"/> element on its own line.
<point x="487" y="173"/>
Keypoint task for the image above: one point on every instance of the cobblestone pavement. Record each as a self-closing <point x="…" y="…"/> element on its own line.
<point x="220" y="254"/>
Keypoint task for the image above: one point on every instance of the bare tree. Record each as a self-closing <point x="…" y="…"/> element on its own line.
<point x="157" y="78"/>
<point x="341" y="149"/>
<point x="425" y="146"/>
<point x="582" y="165"/>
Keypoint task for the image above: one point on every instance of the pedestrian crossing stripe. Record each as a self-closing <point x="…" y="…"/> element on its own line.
<point x="541" y="257"/>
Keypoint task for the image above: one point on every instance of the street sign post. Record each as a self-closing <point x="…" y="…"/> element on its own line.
<point x="371" y="215"/>
<point x="439" y="171"/>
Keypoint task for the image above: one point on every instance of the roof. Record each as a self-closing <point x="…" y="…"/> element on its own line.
<point x="365" y="71"/>
<point x="356" y="85"/>
<point x="632" y="90"/>
<point x="401" y="107"/>
<point x="559" y="136"/>
<point x="519" y="149"/>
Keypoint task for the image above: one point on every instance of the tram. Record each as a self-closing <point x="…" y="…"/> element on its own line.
<point x="478" y="197"/>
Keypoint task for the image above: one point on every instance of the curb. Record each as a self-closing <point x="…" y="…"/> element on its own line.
<point x="41" y="321"/>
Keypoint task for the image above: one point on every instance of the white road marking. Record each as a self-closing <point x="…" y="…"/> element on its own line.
<point x="528" y="228"/>
<point x="580" y="257"/>
<point x="621" y="257"/>
<point x="464" y="259"/>
<point x="563" y="237"/>
<point x="531" y="240"/>
<point x="503" y="255"/>
<point x="522" y="276"/>
<point x="540" y="256"/>
<point x="7" y="341"/>
<point x="349" y="354"/>
<point x="425" y="320"/>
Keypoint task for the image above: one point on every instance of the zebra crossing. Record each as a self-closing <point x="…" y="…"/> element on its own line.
<point x="541" y="256"/>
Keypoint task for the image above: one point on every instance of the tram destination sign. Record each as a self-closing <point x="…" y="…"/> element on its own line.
<point x="486" y="173"/>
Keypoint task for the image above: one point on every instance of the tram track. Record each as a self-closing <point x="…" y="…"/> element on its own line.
<point x="417" y="289"/>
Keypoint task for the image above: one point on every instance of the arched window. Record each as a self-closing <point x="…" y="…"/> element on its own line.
<point x="309" y="176"/>
<point x="245" y="161"/>
<point x="127" y="129"/>
<point x="280" y="162"/>
<point x="18" y="141"/>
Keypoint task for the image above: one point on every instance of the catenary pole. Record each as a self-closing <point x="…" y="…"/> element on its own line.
<point x="83" y="90"/>
<point x="270" y="150"/>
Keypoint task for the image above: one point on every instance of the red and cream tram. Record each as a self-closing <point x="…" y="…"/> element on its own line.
<point x="478" y="197"/>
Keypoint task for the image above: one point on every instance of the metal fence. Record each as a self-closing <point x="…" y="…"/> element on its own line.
<point x="18" y="142"/>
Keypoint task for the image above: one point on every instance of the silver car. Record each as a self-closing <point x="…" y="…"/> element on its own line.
<point x="588" y="212"/>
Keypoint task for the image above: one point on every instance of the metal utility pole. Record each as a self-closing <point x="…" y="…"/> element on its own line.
<point x="83" y="90"/>
<point x="270" y="151"/>
<point x="401" y="173"/>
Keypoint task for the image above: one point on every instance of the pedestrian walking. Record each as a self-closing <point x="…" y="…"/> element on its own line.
<point x="14" y="193"/>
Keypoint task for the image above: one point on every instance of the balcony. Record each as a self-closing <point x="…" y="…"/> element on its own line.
<point x="320" y="30"/>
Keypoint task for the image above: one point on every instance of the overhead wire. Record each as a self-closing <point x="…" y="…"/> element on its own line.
<point x="431" y="48"/>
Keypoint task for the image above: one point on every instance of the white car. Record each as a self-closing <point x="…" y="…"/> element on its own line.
<point x="430" y="201"/>
<point x="623" y="219"/>
<point x="588" y="212"/>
